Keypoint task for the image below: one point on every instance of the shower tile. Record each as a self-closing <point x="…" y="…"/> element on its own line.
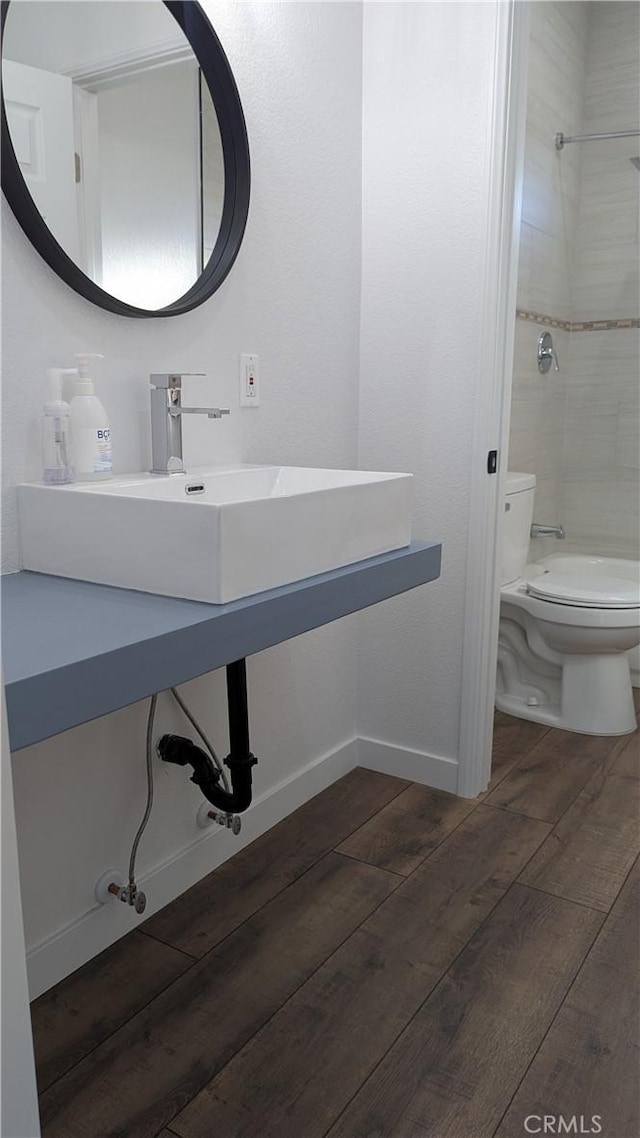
<point x="550" y="287"/>
<point x="590" y="435"/>
<point x="610" y="194"/>
<point x="611" y="96"/>
<point x="557" y="64"/>
<point x="628" y="436"/>
<point x="603" y="509"/>
<point x="550" y="192"/>
<point x="579" y="430"/>
<point x="606" y="254"/>
<point x="522" y="436"/>
<point x="528" y="381"/>
<point x="547" y="512"/>
<point x="607" y="283"/>
<point x="608" y="360"/>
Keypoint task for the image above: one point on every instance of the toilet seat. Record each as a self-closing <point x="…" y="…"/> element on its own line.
<point x="585" y="590"/>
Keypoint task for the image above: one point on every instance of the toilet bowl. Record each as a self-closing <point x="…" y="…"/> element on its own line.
<point x="567" y="623"/>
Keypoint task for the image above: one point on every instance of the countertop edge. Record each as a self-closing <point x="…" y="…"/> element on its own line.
<point x="44" y="702"/>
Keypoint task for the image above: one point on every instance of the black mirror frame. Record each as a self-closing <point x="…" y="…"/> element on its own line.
<point x="237" y="179"/>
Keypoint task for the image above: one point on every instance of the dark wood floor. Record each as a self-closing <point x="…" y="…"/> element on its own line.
<point x="388" y="962"/>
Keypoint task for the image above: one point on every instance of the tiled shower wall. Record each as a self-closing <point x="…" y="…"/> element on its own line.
<point x="557" y="66"/>
<point x="578" y="429"/>
<point x="601" y="454"/>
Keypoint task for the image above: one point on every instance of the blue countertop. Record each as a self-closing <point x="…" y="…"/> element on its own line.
<point x="73" y="651"/>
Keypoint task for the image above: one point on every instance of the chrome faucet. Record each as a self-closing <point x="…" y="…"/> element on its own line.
<point x="547" y="531"/>
<point x="166" y="422"/>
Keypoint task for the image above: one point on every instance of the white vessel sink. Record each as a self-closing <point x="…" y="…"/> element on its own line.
<point x="217" y="533"/>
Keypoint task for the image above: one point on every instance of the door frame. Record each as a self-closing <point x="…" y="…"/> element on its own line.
<point x="493" y="396"/>
<point x="19" y="1115"/>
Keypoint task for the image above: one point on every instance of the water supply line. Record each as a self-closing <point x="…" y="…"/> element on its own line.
<point x="134" y="897"/>
<point x="208" y="773"/>
<point x="130" y="893"/>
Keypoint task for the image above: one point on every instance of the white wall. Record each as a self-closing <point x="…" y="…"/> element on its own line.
<point x="292" y="297"/>
<point x="428" y="94"/>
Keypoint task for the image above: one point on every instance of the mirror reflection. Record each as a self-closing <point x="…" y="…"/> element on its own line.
<point x="117" y="140"/>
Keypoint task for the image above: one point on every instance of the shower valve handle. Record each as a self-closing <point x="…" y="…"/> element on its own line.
<point x="546" y="354"/>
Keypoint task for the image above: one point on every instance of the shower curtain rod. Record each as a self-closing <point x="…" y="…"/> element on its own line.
<point x="562" y="139"/>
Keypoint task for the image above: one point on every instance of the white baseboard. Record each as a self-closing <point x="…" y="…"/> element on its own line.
<point x="418" y="766"/>
<point x="68" y="948"/>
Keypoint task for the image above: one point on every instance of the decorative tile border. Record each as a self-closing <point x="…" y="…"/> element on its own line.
<point x="603" y="325"/>
<point x="577" y="325"/>
<point x="539" y="318"/>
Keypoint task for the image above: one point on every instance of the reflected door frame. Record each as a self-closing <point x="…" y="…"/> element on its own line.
<point x="88" y="82"/>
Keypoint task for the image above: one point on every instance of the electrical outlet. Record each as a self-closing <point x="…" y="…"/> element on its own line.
<point x="249" y="380"/>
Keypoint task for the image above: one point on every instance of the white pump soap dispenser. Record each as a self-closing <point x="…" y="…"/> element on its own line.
<point x="90" y="428"/>
<point x="57" y="465"/>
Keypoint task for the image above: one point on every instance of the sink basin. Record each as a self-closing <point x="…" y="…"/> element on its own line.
<point x="217" y="533"/>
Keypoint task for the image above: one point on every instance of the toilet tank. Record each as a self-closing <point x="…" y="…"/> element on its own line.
<point x="516" y="524"/>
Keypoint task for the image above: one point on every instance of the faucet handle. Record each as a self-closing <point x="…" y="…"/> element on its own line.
<point x="171" y="379"/>
<point x="210" y="412"/>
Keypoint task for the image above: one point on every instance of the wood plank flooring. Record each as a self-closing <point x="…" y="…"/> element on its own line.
<point x="453" y="1069"/>
<point x="388" y="962"/>
<point x="590" y="851"/>
<point x="355" y="1007"/>
<point x="71" y="1019"/>
<point x="213" y="908"/>
<point x="144" y="1074"/>
<point x="591" y="1051"/>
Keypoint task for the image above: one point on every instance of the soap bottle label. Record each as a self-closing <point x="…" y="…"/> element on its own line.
<point x="93" y="450"/>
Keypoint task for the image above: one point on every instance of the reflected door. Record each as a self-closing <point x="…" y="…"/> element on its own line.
<point x="39" y="107"/>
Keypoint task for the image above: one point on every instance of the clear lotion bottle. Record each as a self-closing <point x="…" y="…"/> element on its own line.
<point x="90" y="428"/>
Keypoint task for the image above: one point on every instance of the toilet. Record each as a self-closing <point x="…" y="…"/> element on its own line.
<point x="567" y="623"/>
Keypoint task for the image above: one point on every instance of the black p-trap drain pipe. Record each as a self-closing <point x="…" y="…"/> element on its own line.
<point x="183" y="752"/>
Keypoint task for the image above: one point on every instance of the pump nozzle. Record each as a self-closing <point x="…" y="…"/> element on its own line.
<point x="56" y="376"/>
<point x="83" y="362"/>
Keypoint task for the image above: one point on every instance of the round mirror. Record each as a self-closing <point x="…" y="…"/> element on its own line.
<point x="124" y="148"/>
